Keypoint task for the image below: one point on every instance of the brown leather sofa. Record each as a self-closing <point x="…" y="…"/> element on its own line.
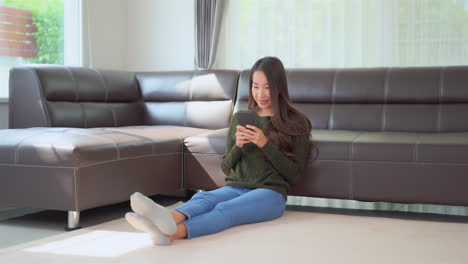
<point x="383" y="134"/>
<point x="80" y="138"/>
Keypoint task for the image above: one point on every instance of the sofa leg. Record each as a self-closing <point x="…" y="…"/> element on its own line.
<point x="73" y="221"/>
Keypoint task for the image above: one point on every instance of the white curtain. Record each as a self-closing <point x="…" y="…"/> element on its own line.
<point x="344" y="34"/>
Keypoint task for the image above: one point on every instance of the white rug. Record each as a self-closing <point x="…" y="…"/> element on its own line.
<point x="297" y="237"/>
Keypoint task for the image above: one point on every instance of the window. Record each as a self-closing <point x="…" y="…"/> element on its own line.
<point x="38" y="31"/>
<point x="344" y="33"/>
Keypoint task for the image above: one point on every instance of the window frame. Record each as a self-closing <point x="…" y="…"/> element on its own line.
<point x="73" y="35"/>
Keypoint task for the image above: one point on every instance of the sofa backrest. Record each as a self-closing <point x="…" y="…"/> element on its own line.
<point x="202" y="99"/>
<point x="61" y="96"/>
<point x="417" y="99"/>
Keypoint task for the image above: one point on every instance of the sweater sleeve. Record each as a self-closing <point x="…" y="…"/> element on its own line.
<point x="291" y="168"/>
<point x="233" y="152"/>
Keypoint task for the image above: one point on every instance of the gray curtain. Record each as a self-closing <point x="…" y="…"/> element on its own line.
<point x="208" y="14"/>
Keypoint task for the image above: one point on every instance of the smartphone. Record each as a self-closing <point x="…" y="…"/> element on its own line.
<point x="246" y="117"/>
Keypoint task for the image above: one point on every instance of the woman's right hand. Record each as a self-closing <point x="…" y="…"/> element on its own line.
<point x="240" y="136"/>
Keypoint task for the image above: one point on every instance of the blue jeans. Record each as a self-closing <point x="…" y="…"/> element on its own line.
<point x="214" y="211"/>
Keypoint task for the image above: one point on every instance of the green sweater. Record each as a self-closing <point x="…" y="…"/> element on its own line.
<point x="267" y="167"/>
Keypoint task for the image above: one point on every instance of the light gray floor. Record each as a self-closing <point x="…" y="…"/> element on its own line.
<point x="19" y="225"/>
<point x="23" y="225"/>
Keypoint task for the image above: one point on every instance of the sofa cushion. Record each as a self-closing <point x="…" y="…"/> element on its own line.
<point x="165" y="138"/>
<point x="416" y="100"/>
<point x="392" y="146"/>
<point x="334" y="144"/>
<point x="385" y="146"/>
<point x="362" y="146"/>
<point x="74" y="147"/>
<point x="201" y="99"/>
<point x="443" y="148"/>
<point x="62" y="96"/>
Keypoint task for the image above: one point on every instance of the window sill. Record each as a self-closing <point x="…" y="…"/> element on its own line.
<point x="3" y="100"/>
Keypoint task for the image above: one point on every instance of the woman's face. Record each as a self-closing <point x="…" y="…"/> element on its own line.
<point x="261" y="91"/>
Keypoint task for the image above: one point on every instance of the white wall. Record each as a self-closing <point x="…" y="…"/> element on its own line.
<point x="139" y="35"/>
<point x="105" y="34"/>
<point x="160" y="35"/>
<point x="3" y="115"/>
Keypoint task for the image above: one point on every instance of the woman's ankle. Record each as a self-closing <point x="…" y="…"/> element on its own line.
<point x="181" y="232"/>
<point x="178" y="216"/>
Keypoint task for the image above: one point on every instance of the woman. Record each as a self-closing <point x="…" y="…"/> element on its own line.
<point x="260" y="162"/>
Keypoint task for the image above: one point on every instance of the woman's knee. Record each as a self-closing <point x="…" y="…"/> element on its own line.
<point x="246" y="213"/>
<point x="198" y="195"/>
<point x="218" y="195"/>
<point x="273" y="197"/>
<point x="204" y="198"/>
<point x="273" y="203"/>
<point x="221" y="207"/>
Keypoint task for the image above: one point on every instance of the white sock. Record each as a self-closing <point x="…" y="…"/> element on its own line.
<point x="159" y="215"/>
<point x="143" y="224"/>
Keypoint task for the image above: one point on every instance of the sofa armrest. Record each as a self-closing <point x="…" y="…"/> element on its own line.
<point x="26" y="103"/>
<point x="212" y="142"/>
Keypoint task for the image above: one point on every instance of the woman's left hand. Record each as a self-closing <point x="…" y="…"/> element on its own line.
<point x="255" y="135"/>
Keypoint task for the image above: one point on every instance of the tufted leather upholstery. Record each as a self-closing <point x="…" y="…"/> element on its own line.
<point x="381" y="99"/>
<point x="58" y="96"/>
<point x="195" y="99"/>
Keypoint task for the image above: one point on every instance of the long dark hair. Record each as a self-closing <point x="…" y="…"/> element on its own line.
<point x="288" y="121"/>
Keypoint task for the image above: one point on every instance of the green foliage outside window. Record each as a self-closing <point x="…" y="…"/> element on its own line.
<point x="47" y="16"/>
